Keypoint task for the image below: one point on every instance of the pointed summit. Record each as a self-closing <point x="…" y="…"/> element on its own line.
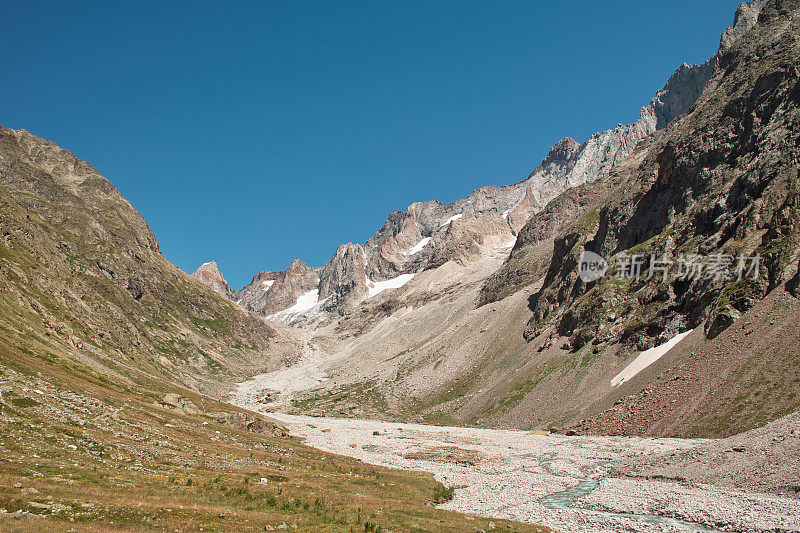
<point x="210" y="275"/>
<point x="561" y="151"/>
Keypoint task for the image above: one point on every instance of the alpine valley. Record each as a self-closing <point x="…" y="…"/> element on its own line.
<point x="455" y="372"/>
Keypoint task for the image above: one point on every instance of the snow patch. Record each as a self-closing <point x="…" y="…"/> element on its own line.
<point x="267" y="283"/>
<point x="647" y="358"/>
<point x="505" y="213"/>
<point x="304" y="303"/>
<point x="452" y="218"/>
<point x="377" y="287"/>
<point x="419" y="246"/>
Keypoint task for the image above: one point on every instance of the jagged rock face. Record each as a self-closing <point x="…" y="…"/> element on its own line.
<point x="253" y="295"/>
<point x="343" y="283"/>
<point x="270" y="292"/>
<point x="680" y="92"/>
<point x="210" y="275"/>
<point x="392" y="250"/>
<point x="530" y="257"/>
<point x="746" y="16"/>
<point x="562" y="151"/>
<point x="723" y="180"/>
<point x="523" y="210"/>
<point x="464" y="239"/>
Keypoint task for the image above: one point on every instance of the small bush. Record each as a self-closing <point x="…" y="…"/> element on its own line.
<point x="443" y="494"/>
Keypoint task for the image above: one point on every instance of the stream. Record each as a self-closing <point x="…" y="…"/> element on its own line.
<point x="564" y="500"/>
<point x="553" y="480"/>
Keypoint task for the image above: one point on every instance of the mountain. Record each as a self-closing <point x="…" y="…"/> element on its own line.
<point x="409" y="241"/>
<point x="270" y="292"/>
<point x="110" y="361"/>
<point x="210" y="275"/>
<point x="83" y="266"/>
<point x="491" y="325"/>
<point x="114" y="363"/>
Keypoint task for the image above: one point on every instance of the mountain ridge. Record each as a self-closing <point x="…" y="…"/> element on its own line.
<point x="567" y="164"/>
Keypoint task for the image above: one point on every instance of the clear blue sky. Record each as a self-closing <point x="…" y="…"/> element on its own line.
<point x="265" y="131"/>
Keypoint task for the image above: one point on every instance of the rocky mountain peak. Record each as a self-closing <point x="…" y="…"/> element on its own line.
<point x="270" y="292"/>
<point x="744" y="19"/>
<point x="343" y="281"/>
<point x="562" y="150"/>
<point x="210" y="275"/>
<point x="266" y="275"/>
<point x="298" y="267"/>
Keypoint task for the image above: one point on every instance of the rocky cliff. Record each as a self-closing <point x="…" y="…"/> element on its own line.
<point x="210" y="275"/>
<point x="343" y="282"/>
<point x="406" y="242"/>
<point x="721" y="184"/>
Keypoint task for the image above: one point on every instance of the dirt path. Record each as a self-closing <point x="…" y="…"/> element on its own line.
<point x="553" y="480"/>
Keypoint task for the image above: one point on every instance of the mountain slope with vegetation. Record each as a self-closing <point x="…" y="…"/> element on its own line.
<point x="81" y="270"/>
<point x="722" y="180"/>
<point x="106" y="351"/>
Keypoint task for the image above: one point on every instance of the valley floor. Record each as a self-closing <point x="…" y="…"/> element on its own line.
<point x="558" y="481"/>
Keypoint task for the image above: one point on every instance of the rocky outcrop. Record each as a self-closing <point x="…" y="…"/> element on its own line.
<point x="522" y="212"/>
<point x="176" y="402"/>
<point x="464" y="239"/>
<point x="679" y="93"/>
<point x="530" y="257"/>
<point x="253" y="296"/>
<point x="343" y="282"/>
<point x="561" y="152"/>
<point x="210" y="275"/>
<point x="723" y="181"/>
<point x="392" y="250"/>
<point x="271" y="292"/>
<point x="744" y="19"/>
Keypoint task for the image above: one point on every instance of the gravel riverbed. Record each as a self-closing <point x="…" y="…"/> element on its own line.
<point x="554" y="480"/>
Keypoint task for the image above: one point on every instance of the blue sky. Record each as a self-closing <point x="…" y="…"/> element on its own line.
<point x="258" y="132"/>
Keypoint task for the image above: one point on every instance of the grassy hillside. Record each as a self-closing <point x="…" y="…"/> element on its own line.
<point x="81" y="451"/>
<point x="106" y="350"/>
<point x="81" y="271"/>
